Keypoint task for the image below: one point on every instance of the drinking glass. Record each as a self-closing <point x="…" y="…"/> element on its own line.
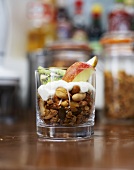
<point x="65" y="111"/>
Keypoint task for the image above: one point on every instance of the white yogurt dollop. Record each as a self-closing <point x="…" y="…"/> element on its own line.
<point x="48" y="90"/>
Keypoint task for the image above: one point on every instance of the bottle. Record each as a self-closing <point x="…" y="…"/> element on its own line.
<point x="119" y="19"/>
<point x="42" y="24"/>
<point x="41" y="33"/>
<point x="64" y="26"/>
<point x="79" y="30"/>
<point x="49" y="21"/>
<point x="95" y="29"/>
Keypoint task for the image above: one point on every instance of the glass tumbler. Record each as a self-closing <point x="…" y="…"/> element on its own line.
<point x="64" y="110"/>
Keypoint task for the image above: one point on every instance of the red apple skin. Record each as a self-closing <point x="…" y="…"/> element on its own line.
<point x="74" y="70"/>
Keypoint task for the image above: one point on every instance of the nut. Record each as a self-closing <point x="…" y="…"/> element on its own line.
<point x="51" y="114"/>
<point x="50" y="101"/>
<point x="59" y="111"/>
<point x="54" y="119"/>
<point x="74" y="109"/>
<point x="86" y="108"/>
<point x="41" y="106"/>
<point x="79" y="97"/>
<point x="46" y="112"/>
<point x="61" y="93"/>
<point x="83" y="103"/>
<point x="64" y="103"/>
<point x="75" y="89"/>
<point x="69" y="114"/>
<point x="74" y="104"/>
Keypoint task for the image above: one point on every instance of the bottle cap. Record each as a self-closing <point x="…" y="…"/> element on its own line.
<point x="96" y="8"/>
<point x="78" y="6"/>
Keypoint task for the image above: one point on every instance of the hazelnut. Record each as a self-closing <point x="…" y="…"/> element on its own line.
<point x="75" y="89"/>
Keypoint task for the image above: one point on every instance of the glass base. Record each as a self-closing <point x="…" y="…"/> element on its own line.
<point x="76" y="133"/>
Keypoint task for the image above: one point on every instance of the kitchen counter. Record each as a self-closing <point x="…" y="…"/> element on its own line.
<point x="111" y="147"/>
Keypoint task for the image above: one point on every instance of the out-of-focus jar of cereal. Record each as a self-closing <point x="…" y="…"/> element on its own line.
<point x="64" y="53"/>
<point x="118" y="56"/>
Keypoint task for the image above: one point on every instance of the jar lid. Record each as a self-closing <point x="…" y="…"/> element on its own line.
<point x="69" y="45"/>
<point x="116" y="37"/>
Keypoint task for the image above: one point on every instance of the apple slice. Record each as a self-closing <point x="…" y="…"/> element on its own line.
<point x="80" y="71"/>
<point x="93" y="61"/>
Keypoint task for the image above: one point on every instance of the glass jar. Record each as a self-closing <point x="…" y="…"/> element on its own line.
<point x="65" y="53"/>
<point x="118" y="56"/>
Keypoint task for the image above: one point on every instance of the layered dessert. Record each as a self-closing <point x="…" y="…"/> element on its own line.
<point x="67" y="97"/>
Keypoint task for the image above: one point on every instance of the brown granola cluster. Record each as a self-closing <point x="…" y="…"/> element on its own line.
<point x="119" y="95"/>
<point x="67" y="108"/>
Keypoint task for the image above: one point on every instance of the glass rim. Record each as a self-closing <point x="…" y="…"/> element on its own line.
<point x="49" y="68"/>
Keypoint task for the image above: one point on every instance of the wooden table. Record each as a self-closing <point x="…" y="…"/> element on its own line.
<point x="111" y="148"/>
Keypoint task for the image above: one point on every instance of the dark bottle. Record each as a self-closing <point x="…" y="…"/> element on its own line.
<point x="119" y="19"/>
<point x="64" y="26"/>
<point x="95" y="29"/>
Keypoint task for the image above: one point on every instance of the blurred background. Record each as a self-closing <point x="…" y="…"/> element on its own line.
<point x="45" y="32"/>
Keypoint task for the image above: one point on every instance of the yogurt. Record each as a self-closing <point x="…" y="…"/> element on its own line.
<point x="48" y="90"/>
